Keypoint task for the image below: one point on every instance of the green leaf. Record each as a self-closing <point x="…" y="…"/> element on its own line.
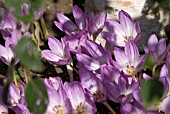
<point x="151" y="92"/>
<point x="149" y="62"/>
<point x="36" y="96"/>
<point x="28" y="54"/>
<point x="17" y="6"/>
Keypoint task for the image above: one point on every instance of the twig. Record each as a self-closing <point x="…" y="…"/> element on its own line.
<point x="109" y="107"/>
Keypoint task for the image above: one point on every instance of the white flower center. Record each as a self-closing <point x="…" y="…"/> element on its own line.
<point x="80" y="109"/>
<point x="128" y="38"/>
<point x="58" y="109"/>
<point x="99" y="95"/>
<point x="130" y="69"/>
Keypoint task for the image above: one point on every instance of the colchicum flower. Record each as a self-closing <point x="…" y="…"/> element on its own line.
<point x="164" y="103"/>
<point x="96" y="23"/>
<point x="7" y="53"/>
<point x="99" y="56"/>
<point x="58" y="102"/>
<point x="119" y="87"/>
<point x="119" y="34"/>
<point x="67" y="26"/>
<point x="129" y="60"/>
<point x="157" y="49"/>
<point x="81" y="103"/>
<point x="93" y="85"/>
<point x="59" y="53"/>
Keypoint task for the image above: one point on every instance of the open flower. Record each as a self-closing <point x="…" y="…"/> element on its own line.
<point x="7" y="53"/>
<point x="129" y="61"/>
<point x="93" y="84"/>
<point x="59" y="53"/>
<point x="164" y="103"/>
<point x="67" y="26"/>
<point x="99" y="56"/>
<point x="58" y="101"/>
<point x="119" y="87"/>
<point x="81" y="104"/>
<point x="3" y="108"/>
<point x="119" y="34"/>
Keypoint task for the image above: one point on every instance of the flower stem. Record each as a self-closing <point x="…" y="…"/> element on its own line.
<point x="109" y="107"/>
<point x="14" y="78"/>
<point x="153" y="69"/>
<point x="44" y="28"/>
<point x="75" y="70"/>
<point x="25" y="75"/>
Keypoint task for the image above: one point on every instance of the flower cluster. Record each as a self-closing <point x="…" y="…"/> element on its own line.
<point x="106" y="73"/>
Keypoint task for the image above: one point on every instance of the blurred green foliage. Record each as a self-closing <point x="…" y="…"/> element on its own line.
<point x="16" y="5"/>
<point x="151" y="92"/>
<point x="36" y="96"/>
<point x="28" y="54"/>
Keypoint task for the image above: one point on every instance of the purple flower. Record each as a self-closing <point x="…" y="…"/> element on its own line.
<point x="93" y="85"/>
<point x="3" y="108"/>
<point x="79" y="101"/>
<point x="157" y="49"/>
<point x="75" y="42"/>
<point x="16" y="94"/>
<point x="99" y="56"/>
<point x="67" y="26"/>
<point x="128" y="108"/>
<point x="119" y="34"/>
<point x="7" y="53"/>
<point x="53" y="83"/>
<point x="164" y="103"/>
<point x="59" y="53"/>
<point x="96" y="23"/>
<point x="9" y="23"/>
<point x="119" y="88"/>
<point x="58" y="102"/>
<point x="20" y="109"/>
<point x="129" y="61"/>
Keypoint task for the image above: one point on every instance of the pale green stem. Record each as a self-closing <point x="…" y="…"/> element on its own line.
<point x="14" y="77"/>
<point x="153" y="69"/>
<point x="109" y="107"/>
<point x="25" y="75"/>
<point x="75" y="70"/>
<point x="70" y="72"/>
<point x="44" y="28"/>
